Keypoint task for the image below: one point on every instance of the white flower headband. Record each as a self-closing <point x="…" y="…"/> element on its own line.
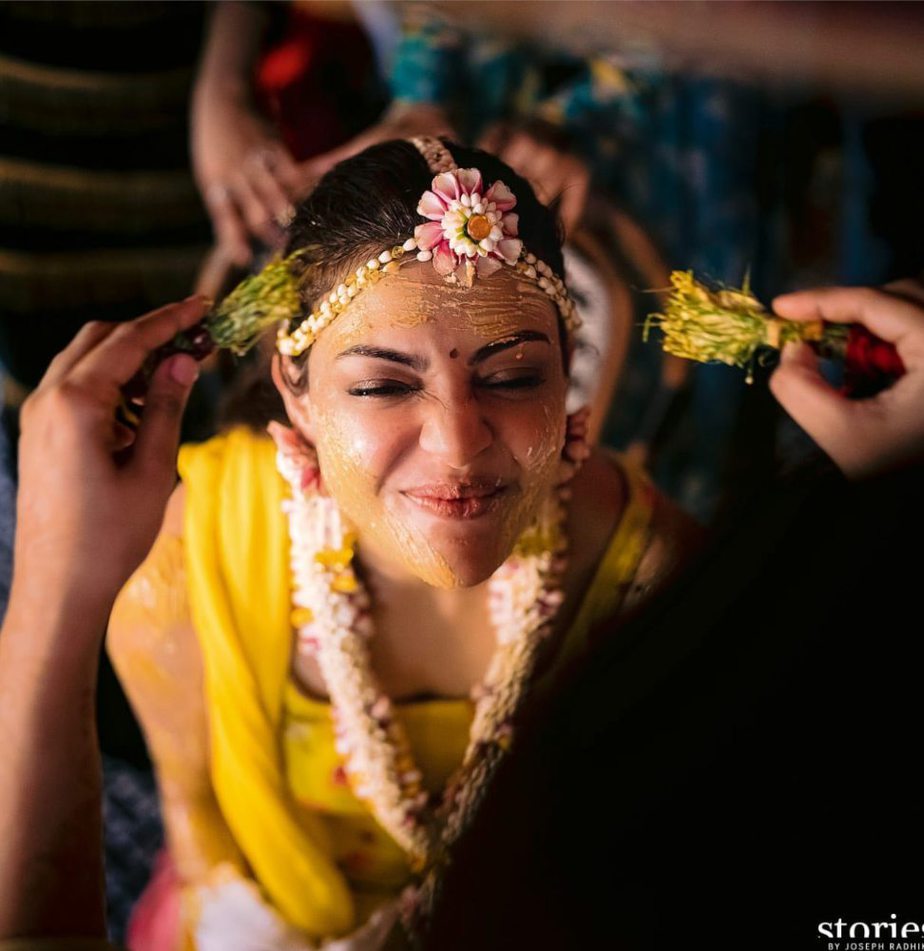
<point x="469" y="233"/>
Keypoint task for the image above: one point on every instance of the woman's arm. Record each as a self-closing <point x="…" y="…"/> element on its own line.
<point x="154" y="649"/>
<point x="90" y="499"/>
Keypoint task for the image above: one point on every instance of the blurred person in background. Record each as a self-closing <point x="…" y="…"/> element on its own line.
<point x="278" y="84"/>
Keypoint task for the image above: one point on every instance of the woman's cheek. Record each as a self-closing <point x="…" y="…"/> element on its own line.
<point x="540" y="439"/>
<point x="353" y="462"/>
<point x="350" y="453"/>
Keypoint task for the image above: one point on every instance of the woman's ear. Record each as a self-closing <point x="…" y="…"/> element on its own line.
<point x="298" y="408"/>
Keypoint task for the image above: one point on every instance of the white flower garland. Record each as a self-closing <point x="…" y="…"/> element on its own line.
<point x="333" y="623"/>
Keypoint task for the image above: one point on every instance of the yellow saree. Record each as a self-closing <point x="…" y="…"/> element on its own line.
<point x="312" y="846"/>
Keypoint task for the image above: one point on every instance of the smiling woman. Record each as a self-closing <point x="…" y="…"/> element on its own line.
<point x="440" y="460"/>
<point x="429" y="490"/>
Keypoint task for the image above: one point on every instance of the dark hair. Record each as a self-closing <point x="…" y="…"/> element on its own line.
<point x="368" y="203"/>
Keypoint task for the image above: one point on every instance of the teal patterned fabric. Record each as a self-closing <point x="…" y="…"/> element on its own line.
<point x="677" y="151"/>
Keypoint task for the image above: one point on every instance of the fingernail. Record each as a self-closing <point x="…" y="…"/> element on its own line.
<point x="795" y="351"/>
<point x="782" y="300"/>
<point x="184" y="370"/>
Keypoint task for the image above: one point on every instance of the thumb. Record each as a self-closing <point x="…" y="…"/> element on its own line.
<point x="165" y="401"/>
<point x="816" y="406"/>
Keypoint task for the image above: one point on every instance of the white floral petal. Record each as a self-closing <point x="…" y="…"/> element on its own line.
<point x="453" y="221"/>
<point x="465" y="246"/>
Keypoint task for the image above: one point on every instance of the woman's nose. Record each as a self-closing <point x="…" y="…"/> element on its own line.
<point x="456" y="432"/>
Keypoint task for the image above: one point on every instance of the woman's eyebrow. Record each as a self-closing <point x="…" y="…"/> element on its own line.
<point x="411" y="360"/>
<point x="525" y="336"/>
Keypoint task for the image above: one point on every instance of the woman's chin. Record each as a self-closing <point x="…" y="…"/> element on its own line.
<point x="469" y="576"/>
<point x="447" y="567"/>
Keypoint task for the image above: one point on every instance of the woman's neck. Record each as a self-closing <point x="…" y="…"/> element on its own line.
<point x="392" y="582"/>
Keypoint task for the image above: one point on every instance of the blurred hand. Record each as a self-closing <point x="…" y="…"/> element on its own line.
<point x="248" y="179"/>
<point x="403" y="120"/>
<point x="92" y="493"/>
<point x="555" y="173"/>
<point x="867" y="436"/>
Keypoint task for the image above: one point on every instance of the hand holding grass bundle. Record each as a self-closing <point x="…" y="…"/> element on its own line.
<point x="259" y="302"/>
<point x="731" y="326"/>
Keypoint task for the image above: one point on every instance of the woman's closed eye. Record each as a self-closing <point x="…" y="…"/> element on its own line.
<point x="382" y="388"/>
<point x="519" y="379"/>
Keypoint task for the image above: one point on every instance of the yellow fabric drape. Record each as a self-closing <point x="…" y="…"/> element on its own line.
<point x="239" y="587"/>
<point x="616" y="570"/>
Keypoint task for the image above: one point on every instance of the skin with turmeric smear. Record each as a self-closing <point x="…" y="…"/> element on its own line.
<point x="438" y="415"/>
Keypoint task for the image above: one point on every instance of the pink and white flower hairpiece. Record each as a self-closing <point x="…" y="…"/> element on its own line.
<point x="469" y="232"/>
<point x="467" y="226"/>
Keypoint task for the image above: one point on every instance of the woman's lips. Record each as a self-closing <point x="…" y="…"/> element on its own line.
<point x="457" y="500"/>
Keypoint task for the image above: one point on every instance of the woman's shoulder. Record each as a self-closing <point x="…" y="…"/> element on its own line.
<point x="599" y="492"/>
<point x="616" y="505"/>
<point x="154" y="649"/>
<point x="150" y="618"/>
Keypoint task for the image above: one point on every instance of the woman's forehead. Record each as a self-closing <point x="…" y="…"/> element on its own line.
<point x="418" y="298"/>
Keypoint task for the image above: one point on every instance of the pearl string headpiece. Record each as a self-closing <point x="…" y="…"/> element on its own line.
<point x="470" y="232"/>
